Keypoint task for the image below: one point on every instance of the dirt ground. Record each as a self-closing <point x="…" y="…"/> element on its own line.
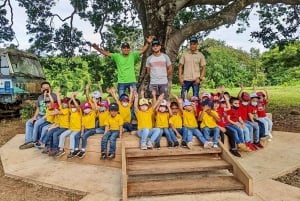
<point x="17" y="190"/>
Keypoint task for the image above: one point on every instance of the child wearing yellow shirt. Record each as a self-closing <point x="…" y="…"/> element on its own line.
<point x="162" y="114"/>
<point x="74" y="127"/>
<point x="88" y="127"/>
<point x="113" y="130"/>
<point x="124" y="102"/>
<point x="103" y="114"/>
<point x="175" y="123"/>
<point x="190" y="124"/>
<point x="209" y="118"/>
<point x="144" y="115"/>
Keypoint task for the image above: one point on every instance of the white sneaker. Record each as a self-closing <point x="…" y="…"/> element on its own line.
<point x="215" y="146"/>
<point x="143" y="147"/>
<point x="206" y="145"/>
<point x="270" y="135"/>
<point x="149" y="145"/>
<point x="190" y="145"/>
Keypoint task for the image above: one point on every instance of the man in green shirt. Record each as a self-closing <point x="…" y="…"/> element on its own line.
<point x="125" y="64"/>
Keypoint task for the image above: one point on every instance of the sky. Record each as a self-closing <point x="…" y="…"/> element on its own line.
<point x="239" y="41"/>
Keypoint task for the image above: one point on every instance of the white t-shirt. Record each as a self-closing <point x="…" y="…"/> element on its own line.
<point x="158" y="71"/>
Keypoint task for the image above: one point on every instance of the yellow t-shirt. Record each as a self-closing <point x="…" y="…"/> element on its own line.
<point x="125" y="112"/>
<point x="208" y="121"/>
<point x="176" y="120"/>
<point x="114" y="123"/>
<point x="89" y="120"/>
<point x="75" y="121"/>
<point x="102" y="116"/>
<point x="49" y="118"/>
<point x="144" y="118"/>
<point x="64" y="118"/>
<point x="162" y="120"/>
<point x="189" y="119"/>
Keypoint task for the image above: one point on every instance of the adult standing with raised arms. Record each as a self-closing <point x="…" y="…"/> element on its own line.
<point x="125" y="64"/>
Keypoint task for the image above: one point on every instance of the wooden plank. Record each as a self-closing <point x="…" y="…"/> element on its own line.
<point x="124" y="173"/>
<point x="172" y="166"/>
<point x="93" y="158"/>
<point x="238" y="171"/>
<point x="132" y="160"/>
<point x="177" y="186"/>
<point x="197" y="150"/>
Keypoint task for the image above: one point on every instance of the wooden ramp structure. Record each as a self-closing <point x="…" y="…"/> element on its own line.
<point x="169" y="171"/>
<point x="176" y="171"/>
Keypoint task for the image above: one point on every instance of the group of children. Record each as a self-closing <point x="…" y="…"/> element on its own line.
<point x="243" y="119"/>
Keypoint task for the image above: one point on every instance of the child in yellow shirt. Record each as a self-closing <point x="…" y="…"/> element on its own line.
<point x="102" y="114"/>
<point x="190" y="124"/>
<point x="175" y="123"/>
<point x="74" y="127"/>
<point x="124" y="102"/>
<point x="162" y="114"/>
<point x="88" y="127"/>
<point x="144" y="115"/>
<point x="113" y="130"/>
<point x="209" y="118"/>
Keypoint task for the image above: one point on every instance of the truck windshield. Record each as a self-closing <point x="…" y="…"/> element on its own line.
<point x="28" y="66"/>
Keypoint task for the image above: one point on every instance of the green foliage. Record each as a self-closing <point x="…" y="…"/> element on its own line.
<point x="282" y="67"/>
<point x="27" y="111"/>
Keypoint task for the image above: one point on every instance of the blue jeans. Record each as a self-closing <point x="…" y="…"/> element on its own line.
<point x="100" y="130"/>
<point x="123" y="86"/>
<point x="48" y="139"/>
<point x="186" y="87"/>
<point x="63" y="136"/>
<point x="55" y="138"/>
<point x="253" y="128"/>
<point x="112" y="136"/>
<point x="128" y="127"/>
<point x="190" y="132"/>
<point x="180" y="131"/>
<point x="267" y="123"/>
<point x="238" y="133"/>
<point x="167" y="133"/>
<point x="43" y="137"/>
<point x="148" y="133"/>
<point x="87" y="133"/>
<point x="215" y="132"/>
<point x="29" y="127"/>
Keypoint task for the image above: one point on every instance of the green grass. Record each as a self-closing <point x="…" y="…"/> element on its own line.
<point x="279" y="95"/>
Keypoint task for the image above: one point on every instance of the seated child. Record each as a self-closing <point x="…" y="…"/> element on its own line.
<point x="74" y="127"/>
<point x="261" y="113"/>
<point x="103" y="114"/>
<point x="237" y="125"/>
<point x="222" y="125"/>
<point x="144" y="115"/>
<point x="113" y="130"/>
<point x="124" y="102"/>
<point x="175" y="123"/>
<point x="88" y="127"/>
<point x="162" y="113"/>
<point x="209" y="118"/>
<point x="190" y="124"/>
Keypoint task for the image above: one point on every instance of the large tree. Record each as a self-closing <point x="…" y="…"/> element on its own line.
<point x="172" y="21"/>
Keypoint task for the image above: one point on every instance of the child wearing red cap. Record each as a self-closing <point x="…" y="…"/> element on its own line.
<point x="251" y="125"/>
<point x="263" y="100"/>
<point x="88" y="127"/>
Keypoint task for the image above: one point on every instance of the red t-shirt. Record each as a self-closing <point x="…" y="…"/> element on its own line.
<point x="252" y="109"/>
<point x="244" y="112"/>
<point x="198" y="110"/>
<point x="261" y="108"/>
<point x="234" y="114"/>
<point x="222" y="115"/>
